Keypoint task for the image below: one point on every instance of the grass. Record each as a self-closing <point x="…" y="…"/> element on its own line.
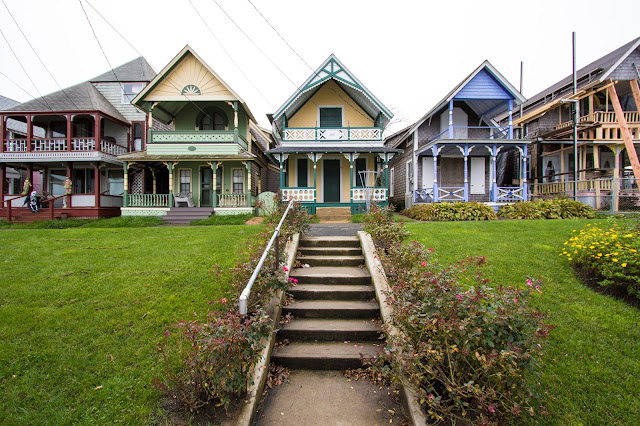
<point x="113" y="222"/>
<point x="227" y="219"/>
<point x="357" y="218"/>
<point x="592" y="367"/>
<point x="81" y="312"/>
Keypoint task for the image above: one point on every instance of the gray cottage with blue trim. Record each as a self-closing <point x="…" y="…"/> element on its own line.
<point x="458" y="152"/>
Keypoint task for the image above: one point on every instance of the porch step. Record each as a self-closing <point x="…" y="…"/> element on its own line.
<point x="332" y="309"/>
<point x="332" y="242"/>
<point x="333" y="214"/>
<point x="332" y="292"/>
<point x="24" y="215"/>
<point x="354" y="275"/>
<point x="184" y="215"/>
<point x="323" y="355"/>
<point x="333" y="260"/>
<point x="328" y="329"/>
<point x="328" y="251"/>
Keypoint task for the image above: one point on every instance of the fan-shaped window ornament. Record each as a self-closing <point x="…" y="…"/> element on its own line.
<point x="190" y="89"/>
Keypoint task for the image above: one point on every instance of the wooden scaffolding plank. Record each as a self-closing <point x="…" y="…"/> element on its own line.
<point x="626" y="133"/>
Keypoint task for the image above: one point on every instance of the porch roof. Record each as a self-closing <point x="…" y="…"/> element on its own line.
<point x="452" y="143"/>
<point x="143" y="156"/>
<point x="331" y="150"/>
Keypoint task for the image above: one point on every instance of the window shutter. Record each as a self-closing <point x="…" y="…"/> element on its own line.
<point x="330" y="117"/>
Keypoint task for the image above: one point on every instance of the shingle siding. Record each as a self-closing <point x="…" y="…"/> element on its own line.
<point x="113" y="93"/>
<point x="626" y="71"/>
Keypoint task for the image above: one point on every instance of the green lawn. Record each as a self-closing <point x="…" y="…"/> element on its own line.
<point x="592" y="367"/>
<point x="81" y="312"/>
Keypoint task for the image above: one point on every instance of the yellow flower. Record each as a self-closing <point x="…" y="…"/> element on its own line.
<point x="615" y="260"/>
<point x="624" y="265"/>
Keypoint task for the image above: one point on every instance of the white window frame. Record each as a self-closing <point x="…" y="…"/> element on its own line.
<point x="133" y="84"/>
<point x="190" y="180"/>
<point x="392" y="182"/>
<point x="243" y="180"/>
<point x="330" y="106"/>
<point x="408" y="176"/>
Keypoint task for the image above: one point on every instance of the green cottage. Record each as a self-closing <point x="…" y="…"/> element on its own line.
<point x="211" y="161"/>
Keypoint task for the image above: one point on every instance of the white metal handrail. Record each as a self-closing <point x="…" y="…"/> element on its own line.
<point x="244" y="296"/>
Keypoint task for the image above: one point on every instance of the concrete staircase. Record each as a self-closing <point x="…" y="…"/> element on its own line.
<point x="333" y="310"/>
<point x="184" y="215"/>
<point x="334" y="214"/>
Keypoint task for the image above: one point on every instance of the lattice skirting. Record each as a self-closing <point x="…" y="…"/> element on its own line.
<point x="136" y="211"/>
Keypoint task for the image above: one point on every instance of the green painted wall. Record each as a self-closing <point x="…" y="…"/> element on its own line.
<point x="200" y="149"/>
<point x="195" y="167"/>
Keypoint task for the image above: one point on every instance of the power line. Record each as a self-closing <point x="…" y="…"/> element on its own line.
<point x="38" y="56"/>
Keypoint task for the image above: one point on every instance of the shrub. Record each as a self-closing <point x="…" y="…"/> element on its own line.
<point x="451" y="212"/>
<point x="557" y="208"/>
<point x="610" y="252"/>
<point x="379" y="223"/>
<point x="216" y="356"/>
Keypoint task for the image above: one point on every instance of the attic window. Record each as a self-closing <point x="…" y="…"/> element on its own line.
<point x="130" y="91"/>
<point x="330" y="116"/>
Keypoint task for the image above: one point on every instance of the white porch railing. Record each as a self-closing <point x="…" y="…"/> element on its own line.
<point x="372" y="194"/>
<point x="83" y="144"/>
<point x="451" y="194"/>
<point x="299" y="194"/>
<point x="509" y="195"/>
<point x="15" y="145"/>
<point x="232" y="200"/>
<point x="52" y="144"/>
<point x="148" y="200"/>
<point x="111" y="148"/>
<point x="332" y="134"/>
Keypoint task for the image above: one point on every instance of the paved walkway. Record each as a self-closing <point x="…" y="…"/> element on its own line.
<point x="329" y="398"/>
<point x="334" y="229"/>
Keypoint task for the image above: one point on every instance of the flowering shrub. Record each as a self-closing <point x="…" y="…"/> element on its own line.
<point x="557" y="208"/>
<point x="451" y="212"/>
<point x="384" y="231"/>
<point x="609" y="251"/>
<point x="216" y="356"/>
<point x="464" y="346"/>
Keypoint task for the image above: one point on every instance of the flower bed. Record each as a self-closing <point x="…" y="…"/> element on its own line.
<point x="451" y="212"/>
<point x="610" y="252"/>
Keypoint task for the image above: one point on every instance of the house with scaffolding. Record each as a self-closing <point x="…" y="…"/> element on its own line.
<point x="458" y="152"/>
<point x="73" y="135"/>
<point x="209" y="160"/>
<point x="608" y="133"/>
<point x="330" y="149"/>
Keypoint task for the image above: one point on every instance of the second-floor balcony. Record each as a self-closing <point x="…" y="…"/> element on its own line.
<point x="474" y="132"/>
<point x="194" y="137"/>
<point x="62" y="145"/>
<point x="599" y="125"/>
<point x="332" y="134"/>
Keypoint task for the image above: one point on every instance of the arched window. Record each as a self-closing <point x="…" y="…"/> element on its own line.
<point x="212" y="119"/>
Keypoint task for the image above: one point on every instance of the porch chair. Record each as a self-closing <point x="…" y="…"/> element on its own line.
<point x="183" y="197"/>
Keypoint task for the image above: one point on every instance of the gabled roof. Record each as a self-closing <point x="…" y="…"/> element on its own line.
<point x="263" y="136"/>
<point x="81" y="97"/>
<point x="485" y="90"/>
<point x="599" y="70"/>
<point x="7" y="103"/>
<point x="15" y="125"/>
<point x="135" y="70"/>
<point x="333" y="69"/>
<point x="202" y="84"/>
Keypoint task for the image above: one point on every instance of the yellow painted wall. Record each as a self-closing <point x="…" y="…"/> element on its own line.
<point x="190" y="71"/>
<point x="330" y="94"/>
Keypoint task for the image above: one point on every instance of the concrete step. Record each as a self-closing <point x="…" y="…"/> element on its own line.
<point x="332" y="292"/>
<point x="323" y="355"/>
<point x="323" y="329"/>
<point x="328" y="251"/>
<point x="332" y="275"/>
<point x="308" y="241"/>
<point x="184" y="215"/>
<point x="333" y="211"/>
<point x="332" y="309"/>
<point x="333" y="260"/>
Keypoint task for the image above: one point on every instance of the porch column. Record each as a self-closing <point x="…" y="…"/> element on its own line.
<point x="45" y="179"/>
<point x="596" y="165"/>
<point x="465" y="191"/>
<point x="248" y="189"/>
<point x="154" y="180"/>
<point x="450" y="131"/>
<point x="510" y="118"/>
<point x="281" y="171"/>
<point x="3" y="174"/>
<point x="434" y="151"/>
<point x="494" y="178"/>
<point x="170" y="167"/>
<point x="214" y="167"/>
<point x="96" y="184"/>
<point x="351" y="178"/>
<point x="525" y="186"/>
<point x="235" y="121"/>
<point x="125" y="200"/>
<point x="29" y="136"/>
<point x="3" y="130"/>
<point x="69" y="131"/>
<point x="616" y="178"/>
<point x="315" y="177"/>
<point x="386" y="175"/>
<point x="98" y="139"/>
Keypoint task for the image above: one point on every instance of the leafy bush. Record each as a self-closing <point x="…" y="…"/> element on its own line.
<point x="463" y="345"/>
<point x="610" y="252"/>
<point x="451" y="212"/>
<point x="216" y="357"/>
<point x="385" y="233"/>
<point x="557" y="208"/>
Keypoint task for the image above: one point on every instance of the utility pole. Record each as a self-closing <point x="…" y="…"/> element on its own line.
<point x="576" y="112"/>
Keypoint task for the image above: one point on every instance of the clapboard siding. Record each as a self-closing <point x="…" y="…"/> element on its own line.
<point x="113" y="93"/>
<point x="483" y="86"/>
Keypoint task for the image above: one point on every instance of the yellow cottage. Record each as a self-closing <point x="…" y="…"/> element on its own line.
<point x="330" y="148"/>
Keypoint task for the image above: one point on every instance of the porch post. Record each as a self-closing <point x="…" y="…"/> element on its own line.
<point x="69" y="131"/>
<point x="465" y="192"/>
<point x="214" y="167"/>
<point x="510" y="118"/>
<point x="96" y="184"/>
<point x="3" y="174"/>
<point x="97" y="137"/>
<point x="596" y="165"/>
<point x="235" y="121"/>
<point x="170" y="167"/>
<point x="29" y="136"/>
<point x="386" y="175"/>
<point x="3" y="130"/>
<point x="153" y="177"/>
<point x="315" y="174"/>
<point x="248" y="189"/>
<point x="494" y="178"/>
<point x="616" y="178"/>
<point x="525" y="186"/>
<point x="434" y="151"/>
<point x="281" y="172"/>
<point x="45" y="179"/>
<point x="69" y="197"/>
<point x="351" y="178"/>
<point x="450" y="131"/>
<point x="125" y="200"/>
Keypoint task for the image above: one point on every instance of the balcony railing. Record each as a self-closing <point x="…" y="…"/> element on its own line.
<point x="474" y="132"/>
<point x="148" y="200"/>
<point x="60" y="145"/>
<point x="370" y="194"/>
<point x="232" y="200"/>
<point x="603" y="126"/>
<point x="312" y="134"/>
<point x="303" y="195"/>
<point x="197" y="137"/>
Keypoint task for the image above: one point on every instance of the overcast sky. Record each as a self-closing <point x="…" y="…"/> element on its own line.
<point x="408" y="53"/>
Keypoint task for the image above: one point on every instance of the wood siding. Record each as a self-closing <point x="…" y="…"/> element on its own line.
<point x="113" y="93"/>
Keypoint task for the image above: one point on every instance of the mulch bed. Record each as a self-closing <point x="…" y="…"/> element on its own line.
<point x="618" y="292"/>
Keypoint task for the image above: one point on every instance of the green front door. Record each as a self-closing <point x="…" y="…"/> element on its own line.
<point x="206" y="187"/>
<point x="331" y="182"/>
